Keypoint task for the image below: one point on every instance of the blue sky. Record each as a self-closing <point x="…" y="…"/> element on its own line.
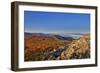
<point x="56" y="22"/>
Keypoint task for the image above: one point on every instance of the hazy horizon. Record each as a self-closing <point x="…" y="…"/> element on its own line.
<point x="59" y="33"/>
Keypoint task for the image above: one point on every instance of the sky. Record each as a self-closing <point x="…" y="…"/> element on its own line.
<point x="56" y="22"/>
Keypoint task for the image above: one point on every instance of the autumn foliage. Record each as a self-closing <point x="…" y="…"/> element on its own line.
<point x="36" y="43"/>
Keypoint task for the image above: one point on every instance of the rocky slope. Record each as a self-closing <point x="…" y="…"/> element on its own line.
<point x="39" y="48"/>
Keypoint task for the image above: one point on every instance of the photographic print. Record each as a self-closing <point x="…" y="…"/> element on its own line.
<point x="56" y="36"/>
<point x="52" y="36"/>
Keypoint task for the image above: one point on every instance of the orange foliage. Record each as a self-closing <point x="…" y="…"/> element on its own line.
<point x="42" y="42"/>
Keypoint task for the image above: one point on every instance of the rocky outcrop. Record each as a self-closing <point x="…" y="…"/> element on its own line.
<point x="77" y="49"/>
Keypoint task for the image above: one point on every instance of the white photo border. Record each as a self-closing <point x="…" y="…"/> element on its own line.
<point x="35" y="64"/>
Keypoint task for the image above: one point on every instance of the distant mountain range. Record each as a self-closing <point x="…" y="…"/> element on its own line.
<point x="59" y="35"/>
